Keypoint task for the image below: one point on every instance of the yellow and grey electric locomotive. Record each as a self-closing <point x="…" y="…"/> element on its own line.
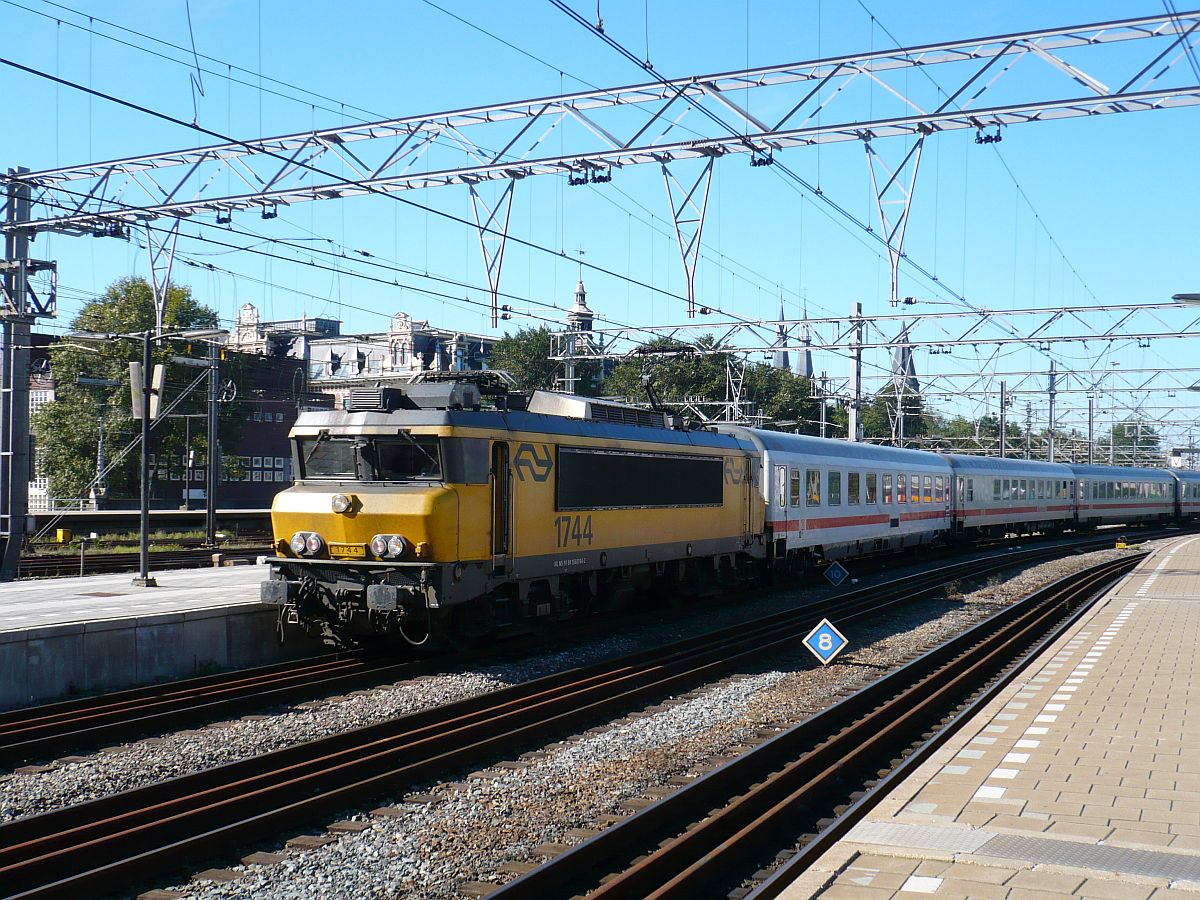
<point x="418" y="512"/>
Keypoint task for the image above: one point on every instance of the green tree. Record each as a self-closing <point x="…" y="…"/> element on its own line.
<point x="679" y="373"/>
<point x="879" y="417"/>
<point x="1130" y="443"/>
<point x="68" y="431"/>
<point x="526" y="357"/>
<point x="785" y="399"/>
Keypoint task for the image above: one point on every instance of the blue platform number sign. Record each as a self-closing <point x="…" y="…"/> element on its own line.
<point x="836" y="574"/>
<point x="825" y="642"/>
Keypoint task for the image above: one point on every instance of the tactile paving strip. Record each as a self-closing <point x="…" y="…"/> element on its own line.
<point x="923" y="837"/>
<point x="1072" y="854"/>
<point x="1152" y="863"/>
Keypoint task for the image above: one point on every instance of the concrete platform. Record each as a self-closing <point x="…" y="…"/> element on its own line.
<point x="1081" y="779"/>
<point x="68" y="635"/>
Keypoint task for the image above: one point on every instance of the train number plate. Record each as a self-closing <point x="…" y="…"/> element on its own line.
<point x="357" y="550"/>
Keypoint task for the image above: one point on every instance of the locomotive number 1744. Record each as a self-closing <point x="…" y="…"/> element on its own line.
<point x="573" y="531"/>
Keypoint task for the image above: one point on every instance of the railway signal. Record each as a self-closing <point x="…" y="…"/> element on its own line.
<point x="825" y="642"/>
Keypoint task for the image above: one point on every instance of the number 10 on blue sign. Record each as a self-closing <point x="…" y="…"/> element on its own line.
<point x="825" y="642"/>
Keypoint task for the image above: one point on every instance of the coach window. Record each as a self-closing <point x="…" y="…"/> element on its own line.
<point x="853" y="481"/>
<point x="781" y="486"/>
<point x="995" y="488"/>
<point x="927" y="483"/>
<point x="971" y="489"/>
<point x="872" y="488"/>
<point x="914" y="488"/>
<point x="812" y="482"/>
<point x="939" y="489"/>
<point x="795" y="498"/>
<point x="901" y="488"/>
<point x="835" y="488"/>
<point x="887" y="489"/>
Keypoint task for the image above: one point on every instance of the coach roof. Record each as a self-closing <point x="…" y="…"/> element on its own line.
<point x="1007" y="466"/>
<point x="839" y="452"/>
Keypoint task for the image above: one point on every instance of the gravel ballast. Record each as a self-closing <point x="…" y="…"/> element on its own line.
<point x="477" y="829"/>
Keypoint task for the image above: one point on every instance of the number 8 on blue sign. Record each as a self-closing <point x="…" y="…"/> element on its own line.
<point x="825" y="642"/>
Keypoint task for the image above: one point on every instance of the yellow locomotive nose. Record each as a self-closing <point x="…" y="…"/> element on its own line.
<point x="399" y="519"/>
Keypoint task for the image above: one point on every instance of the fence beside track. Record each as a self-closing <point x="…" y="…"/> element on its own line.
<point x="57" y="565"/>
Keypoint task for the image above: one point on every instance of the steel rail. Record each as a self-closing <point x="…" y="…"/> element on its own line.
<point x="37" y="732"/>
<point x="709" y="834"/>
<point x="40" y="731"/>
<point x="107" y="843"/>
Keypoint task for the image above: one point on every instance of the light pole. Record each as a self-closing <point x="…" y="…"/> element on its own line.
<point x="148" y="338"/>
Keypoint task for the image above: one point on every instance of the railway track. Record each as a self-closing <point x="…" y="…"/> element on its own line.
<point x="57" y="565"/>
<point x="712" y="836"/>
<point x="39" y="732"/>
<point x="112" y="842"/>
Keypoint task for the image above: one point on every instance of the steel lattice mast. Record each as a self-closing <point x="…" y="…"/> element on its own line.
<point x="664" y="123"/>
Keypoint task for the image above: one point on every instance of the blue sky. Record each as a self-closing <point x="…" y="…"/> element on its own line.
<point x="1117" y="194"/>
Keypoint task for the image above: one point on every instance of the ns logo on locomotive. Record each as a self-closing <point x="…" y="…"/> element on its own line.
<point x="451" y="507"/>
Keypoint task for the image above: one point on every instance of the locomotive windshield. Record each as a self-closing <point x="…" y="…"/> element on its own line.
<point x="402" y="458"/>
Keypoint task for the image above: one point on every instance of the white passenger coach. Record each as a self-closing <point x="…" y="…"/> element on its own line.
<point x="998" y="496"/>
<point x="829" y="499"/>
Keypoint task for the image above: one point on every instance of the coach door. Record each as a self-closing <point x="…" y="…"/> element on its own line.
<point x="501" y="508"/>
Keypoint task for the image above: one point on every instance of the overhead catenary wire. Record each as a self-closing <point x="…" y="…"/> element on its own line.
<point x="129" y="104"/>
<point x="342" y="106"/>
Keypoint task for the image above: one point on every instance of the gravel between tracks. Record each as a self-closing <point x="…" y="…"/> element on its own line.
<point x="478" y="826"/>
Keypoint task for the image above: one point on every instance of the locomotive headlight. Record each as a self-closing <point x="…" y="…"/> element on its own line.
<point x="388" y="545"/>
<point x="297" y="542"/>
<point x="313" y="542"/>
<point x="341" y="503"/>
